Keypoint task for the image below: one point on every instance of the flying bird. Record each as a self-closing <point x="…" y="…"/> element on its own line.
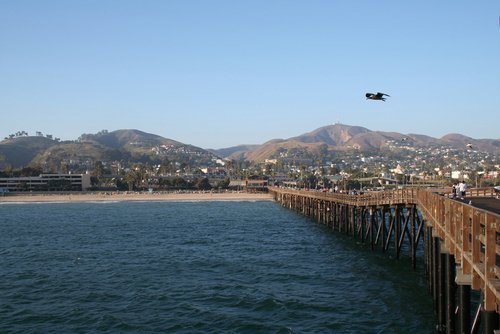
<point x="469" y="145"/>
<point x="378" y="96"/>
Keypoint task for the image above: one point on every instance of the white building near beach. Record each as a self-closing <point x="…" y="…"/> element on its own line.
<point x="46" y="182"/>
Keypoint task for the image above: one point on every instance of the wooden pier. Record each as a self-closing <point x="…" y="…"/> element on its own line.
<point x="460" y="243"/>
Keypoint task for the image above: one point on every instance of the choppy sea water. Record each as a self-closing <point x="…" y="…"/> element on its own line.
<point x="196" y="267"/>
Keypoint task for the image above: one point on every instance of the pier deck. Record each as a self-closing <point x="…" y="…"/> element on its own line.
<point x="491" y="204"/>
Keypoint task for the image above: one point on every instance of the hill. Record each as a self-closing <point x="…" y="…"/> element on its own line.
<point x="341" y="137"/>
<point x="121" y="145"/>
<point x="237" y="152"/>
<point x="332" y="135"/>
<point x="129" y="139"/>
<point x="20" y="151"/>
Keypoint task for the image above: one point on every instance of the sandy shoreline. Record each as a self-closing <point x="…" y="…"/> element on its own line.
<point x="135" y="196"/>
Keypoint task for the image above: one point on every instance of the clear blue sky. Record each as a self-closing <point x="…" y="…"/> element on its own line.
<point x="222" y="73"/>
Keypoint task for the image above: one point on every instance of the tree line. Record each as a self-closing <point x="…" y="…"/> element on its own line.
<point x="26" y="134"/>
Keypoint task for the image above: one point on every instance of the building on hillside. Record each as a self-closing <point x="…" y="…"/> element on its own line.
<point x="459" y="175"/>
<point x="46" y="182"/>
<point x="398" y="170"/>
<point x="376" y="181"/>
<point x="490" y="175"/>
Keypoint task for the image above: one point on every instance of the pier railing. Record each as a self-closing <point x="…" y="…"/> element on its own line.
<point x="400" y="196"/>
<point x="470" y="235"/>
<point x="365" y="199"/>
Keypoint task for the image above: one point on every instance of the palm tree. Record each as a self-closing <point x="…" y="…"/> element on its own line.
<point x="132" y="178"/>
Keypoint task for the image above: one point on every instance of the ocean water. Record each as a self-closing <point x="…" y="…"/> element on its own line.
<point x="196" y="267"/>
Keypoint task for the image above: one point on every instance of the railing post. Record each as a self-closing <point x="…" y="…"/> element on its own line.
<point x="490" y="315"/>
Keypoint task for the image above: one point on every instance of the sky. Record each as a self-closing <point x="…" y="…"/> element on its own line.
<point x="221" y="73"/>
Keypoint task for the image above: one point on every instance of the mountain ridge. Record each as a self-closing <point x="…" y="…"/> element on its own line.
<point x="346" y="137"/>
<point x="133" y="144"/>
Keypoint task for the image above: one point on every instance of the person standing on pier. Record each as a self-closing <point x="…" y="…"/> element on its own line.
<point x="454" y="190"/>
<point x="462" y="187"/>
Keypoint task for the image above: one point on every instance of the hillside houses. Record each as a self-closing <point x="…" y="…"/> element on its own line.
<point x="124" y="157"/>
<point x="175" y="149"/>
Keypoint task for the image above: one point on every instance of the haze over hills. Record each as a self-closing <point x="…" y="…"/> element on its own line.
<point x="236" y="152"/>
<point x="135" y="145"/>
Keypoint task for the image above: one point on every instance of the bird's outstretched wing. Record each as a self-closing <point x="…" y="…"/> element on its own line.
<point x="382" y="94"/>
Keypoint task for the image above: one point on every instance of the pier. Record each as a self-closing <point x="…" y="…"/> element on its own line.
<point x="459" y="242"/>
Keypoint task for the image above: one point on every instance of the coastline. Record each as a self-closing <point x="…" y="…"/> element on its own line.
<point x="133" y="196"/>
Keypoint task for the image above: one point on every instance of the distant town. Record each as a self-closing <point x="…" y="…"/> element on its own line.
<point x="144" y="162"/>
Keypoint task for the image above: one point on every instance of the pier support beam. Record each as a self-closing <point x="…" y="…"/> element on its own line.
<point x="490" y="321"/>
<point x="464" y="308"/>
<point x="435" y="272"/>
<point x="441" y="292"/>
<point x="451" y="289"/>
<point x="413" y="237"/>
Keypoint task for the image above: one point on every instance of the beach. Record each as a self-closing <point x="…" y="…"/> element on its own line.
<point x="134" y="196"/>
